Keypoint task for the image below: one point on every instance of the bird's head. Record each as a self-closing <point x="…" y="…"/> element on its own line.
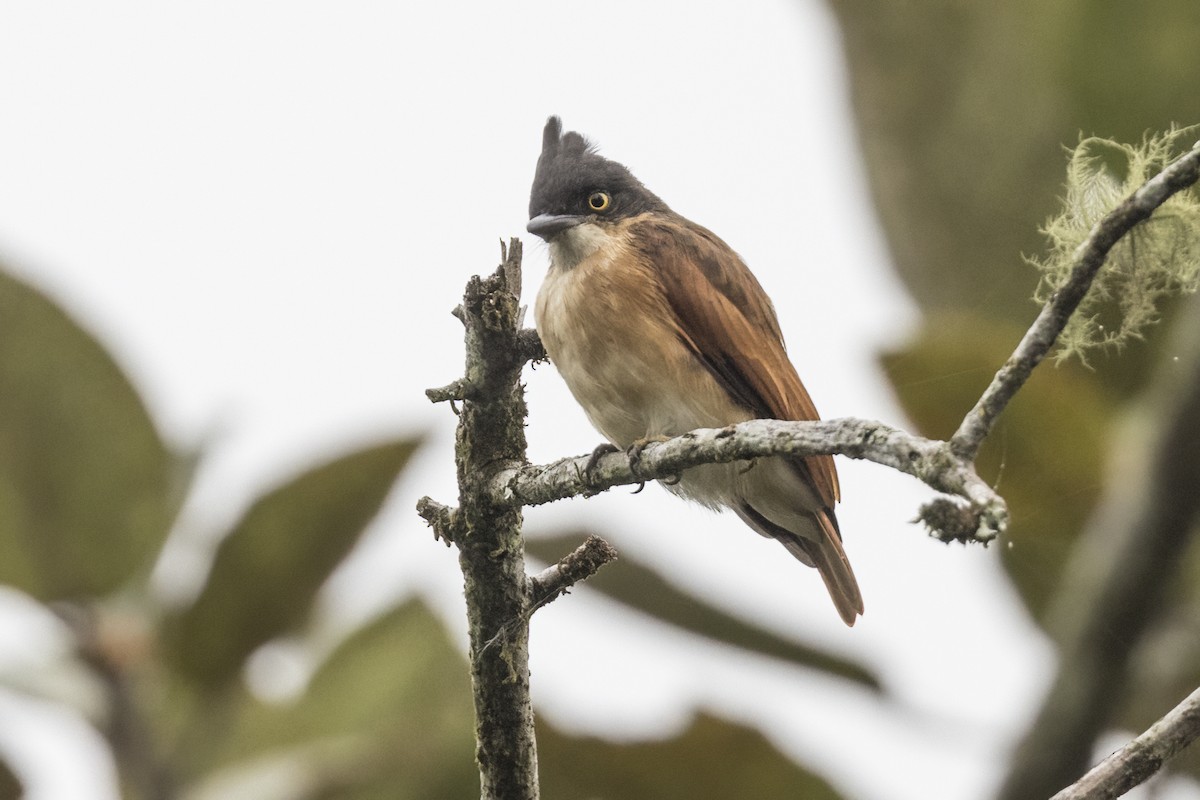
<point x="575" y="186"/>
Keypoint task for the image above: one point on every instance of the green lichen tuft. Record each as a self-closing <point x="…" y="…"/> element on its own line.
<point x="1159" y="257"/>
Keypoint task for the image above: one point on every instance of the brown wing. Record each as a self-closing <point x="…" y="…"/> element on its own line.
<point x="729" y="323"/>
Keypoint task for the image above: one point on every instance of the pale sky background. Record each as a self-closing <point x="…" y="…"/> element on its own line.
<point x="267" y="210"/>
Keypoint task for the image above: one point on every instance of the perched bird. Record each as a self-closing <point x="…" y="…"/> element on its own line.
<point x="658" y="327"/>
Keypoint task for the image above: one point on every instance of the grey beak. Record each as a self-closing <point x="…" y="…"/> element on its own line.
<point x="548" y="226"/>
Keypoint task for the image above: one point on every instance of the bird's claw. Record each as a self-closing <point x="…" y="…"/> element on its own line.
<point x="635" y="452"/>
<point x="594" y="459"/>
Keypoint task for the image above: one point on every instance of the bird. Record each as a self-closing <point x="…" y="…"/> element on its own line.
<point x="658" y="328"/>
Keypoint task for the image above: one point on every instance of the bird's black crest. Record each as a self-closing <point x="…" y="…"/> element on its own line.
<point x="569" y="169"/>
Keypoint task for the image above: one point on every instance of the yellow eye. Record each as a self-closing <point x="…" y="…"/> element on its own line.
<point x="599" y="201"/>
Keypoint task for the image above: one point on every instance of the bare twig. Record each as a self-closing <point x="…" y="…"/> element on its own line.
<point x="456" y="390"/>
<point x="1135" y="762"/>
<point x="928" y="460"/>
<point x="510" y="268"/>
<point x="1044" y="332"/>
<point x="581" y="563"/>
<point x="443" y="519"/>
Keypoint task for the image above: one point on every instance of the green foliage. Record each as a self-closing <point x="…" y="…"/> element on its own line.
<point x="962" y="109"/>
<point x="85" y="480"/>
<point x="712" y="758"/>
<point x="277" y="556"/>
<point x="387" y="714"/>
<point x="1158" y="258"/>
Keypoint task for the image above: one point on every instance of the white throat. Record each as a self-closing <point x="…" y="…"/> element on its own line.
<point x="575" y="244"/>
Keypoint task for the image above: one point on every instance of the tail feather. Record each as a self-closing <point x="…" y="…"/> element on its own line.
<point x="825" y="554"/>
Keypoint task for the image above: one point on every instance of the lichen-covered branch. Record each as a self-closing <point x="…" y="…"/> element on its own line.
<point x="1089" y="258"/>
<point x="578" y="565"/>
<point x="442" y="518"/>
<point x="530" y="346"/>
<point x="491" y="436"/>
<point x="928" y="460"/>
<point x="1137" y="761"/>
<point x="456" y="390"/>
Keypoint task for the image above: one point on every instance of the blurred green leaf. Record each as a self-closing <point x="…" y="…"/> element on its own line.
<point x="388" y="714"/>
<point x="640" y="587"/>
<point x="712" y="758"/>
<point x="1046" y="454"/>
<point x="399" y="674"/>
<point x="10" y="784"/>
<point x="963" y="109"/>
<point x="268" y="569"/>
<point x="85" y="480"/>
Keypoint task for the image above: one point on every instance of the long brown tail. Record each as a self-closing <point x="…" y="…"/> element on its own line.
<point x="825" y="553"/>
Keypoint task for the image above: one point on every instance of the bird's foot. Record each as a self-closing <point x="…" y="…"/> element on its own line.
<point x="635" y="452"/>
<point x="600" y="451"/>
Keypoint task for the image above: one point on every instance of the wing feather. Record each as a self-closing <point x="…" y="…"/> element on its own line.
<point x="728" y="322"/>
